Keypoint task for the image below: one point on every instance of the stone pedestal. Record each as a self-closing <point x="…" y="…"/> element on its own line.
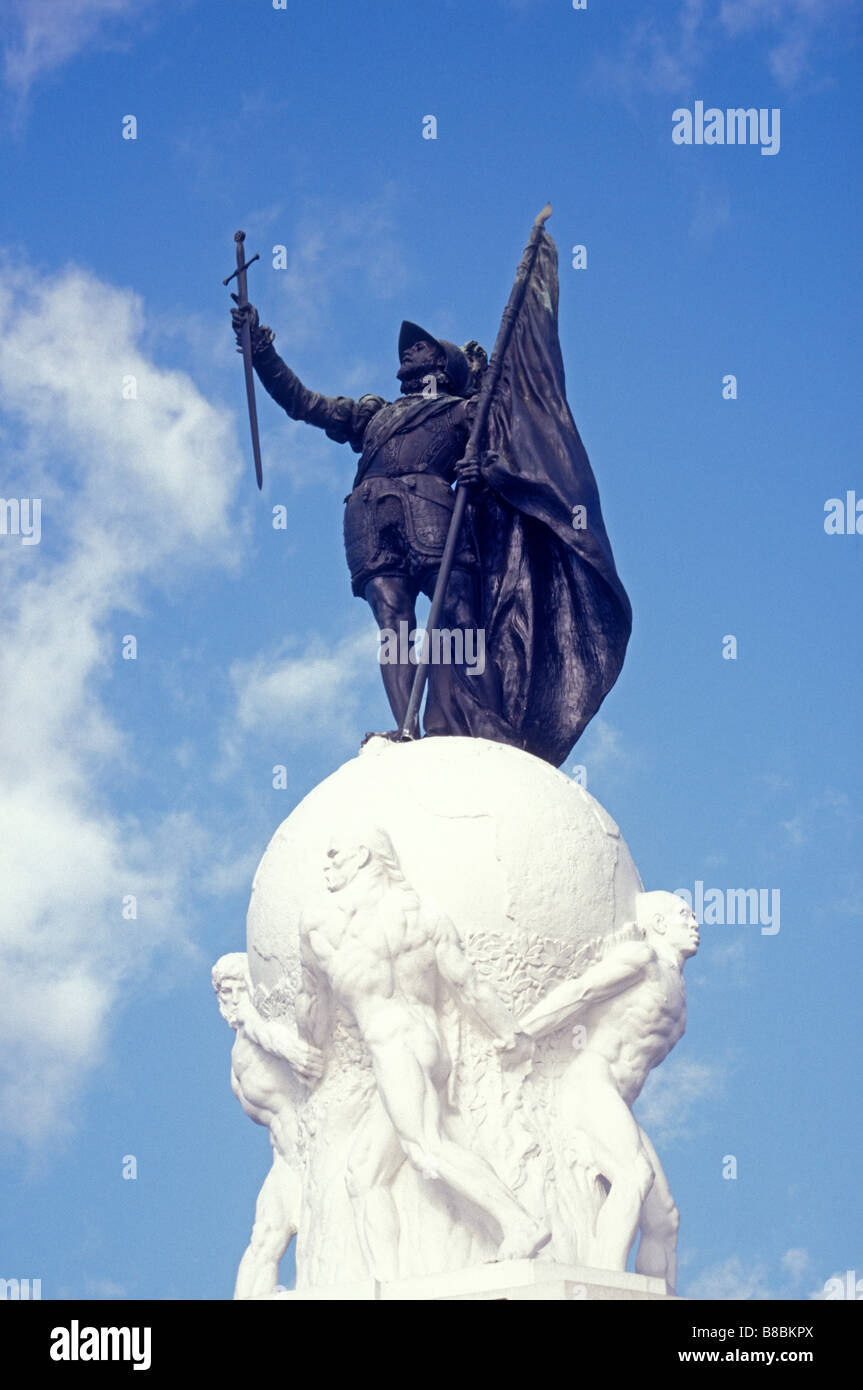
<point x="521" y="1280"/>
<point x="454" y="989"/>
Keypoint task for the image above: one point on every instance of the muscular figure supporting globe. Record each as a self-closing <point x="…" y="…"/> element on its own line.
<point x="387" y="958"/>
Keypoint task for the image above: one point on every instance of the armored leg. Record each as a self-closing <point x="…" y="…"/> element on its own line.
<point x="392" y="600"/>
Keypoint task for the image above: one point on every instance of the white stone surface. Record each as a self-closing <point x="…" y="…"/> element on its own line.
<point x="502" y="841"/>
<point x="511" y="1279"/>
<point x="630" y="1008"/>
<point x="269" y="1066"/>
<point x="436" y="917"/>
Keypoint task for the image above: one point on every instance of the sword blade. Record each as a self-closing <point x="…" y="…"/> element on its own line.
<point x="250" y="398"/>
<point x="248" y="371"/>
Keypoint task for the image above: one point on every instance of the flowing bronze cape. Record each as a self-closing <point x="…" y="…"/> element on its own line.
<point x="556" y="616"/>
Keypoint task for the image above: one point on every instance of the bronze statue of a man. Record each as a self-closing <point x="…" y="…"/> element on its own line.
<point x="533" y="573"/>
<point x="398" y="513"/>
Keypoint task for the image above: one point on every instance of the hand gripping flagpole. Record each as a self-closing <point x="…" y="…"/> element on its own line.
<point x="410" y="726"/>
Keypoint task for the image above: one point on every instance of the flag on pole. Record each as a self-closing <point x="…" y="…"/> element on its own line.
<point x="556" y="616"/>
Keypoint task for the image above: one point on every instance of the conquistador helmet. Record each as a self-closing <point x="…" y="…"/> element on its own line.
<point x="457" y="366"/>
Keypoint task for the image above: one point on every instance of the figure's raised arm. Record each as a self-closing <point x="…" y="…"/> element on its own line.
<point x="279" y="1039"/>
<point x="343" y="418"/>
<point x="562" y="1005"/>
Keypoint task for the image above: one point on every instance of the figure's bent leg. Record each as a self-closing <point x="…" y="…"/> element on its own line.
<point x="617" y="1222"/>
<point x="373" y="1162"/>
<point x="392" y="599"/>
<point x="615" y="1141"/>
<point x="660" y="1222"/>
<point x="414" y="1103"/>
<point x="276" y="1216"/>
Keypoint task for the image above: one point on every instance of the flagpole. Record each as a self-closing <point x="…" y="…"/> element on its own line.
<point x="471" y="456"/>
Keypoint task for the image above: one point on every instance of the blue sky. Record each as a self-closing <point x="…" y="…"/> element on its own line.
<point x="153" y="777"/>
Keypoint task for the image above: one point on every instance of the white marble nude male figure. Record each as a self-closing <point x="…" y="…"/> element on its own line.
<point x="265" y="1057"/>
<point x="387" y="959"/>
<point x="632" y="1008"/>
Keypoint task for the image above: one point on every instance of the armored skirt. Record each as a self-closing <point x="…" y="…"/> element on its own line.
<point x="398" y="526"/>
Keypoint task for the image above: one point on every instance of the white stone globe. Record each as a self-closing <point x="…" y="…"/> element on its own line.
<point x="498" y="839"/>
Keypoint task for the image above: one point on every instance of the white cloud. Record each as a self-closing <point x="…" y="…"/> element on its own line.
<point x="605" y="743"/>
<point x="796" y="1262"/>
<point x="842" y="1285"/>
<point x="299" y="696"/>
<point x="607" y="757"/>
<point x="825" y="813"/>
<point x="732" y="1279"/>
<point x="102" y="1289"/>
<point x="328" y="251"/>
<point x="794" y="29"/>
<point x="714" y="860"/>
<point x="42" y="35"/>
<point x="96" y="1288"/>
<point x="658" y="55"/>
<point x="730" y="954"/>
<point x="665" y="51"/>
<point x="671" y="1094"/>
<point x="117" y="514"/>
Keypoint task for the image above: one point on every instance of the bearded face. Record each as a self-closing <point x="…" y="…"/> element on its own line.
<point x="418" y="362"/>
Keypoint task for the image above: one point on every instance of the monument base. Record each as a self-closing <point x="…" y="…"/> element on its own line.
<point x="507" y="1279"/>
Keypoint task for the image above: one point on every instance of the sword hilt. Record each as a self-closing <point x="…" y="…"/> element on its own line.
<point x="256" y="257"/>
<point x="242" y="266"/>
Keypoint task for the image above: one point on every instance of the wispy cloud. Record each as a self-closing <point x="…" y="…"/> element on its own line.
<point x="793" y="30"/>
<point x="820" y="814"/>
<point x="95" y="1288"/>
<point x="731" y="956"/>
<point x="302" y="695"/>
<point x="789" y="824"/>
<point x="841" y="1285"/>
<point x="42" y="35"/>
<point x="732" y="1278"/>
<point x="607" y="757"/>
<point x="795" y="1262"/>
<point x="328" y="254"/>
<point x="735" y="1278"/>
<point x="666" y="51"/>
<point x="117" y="514"/>
<point x="658" y="55"/>
<point x="605" y="745"/>
<point x="673" y="1092"/>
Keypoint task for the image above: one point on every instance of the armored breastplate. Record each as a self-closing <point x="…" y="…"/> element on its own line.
<point x="413" y="435"/>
